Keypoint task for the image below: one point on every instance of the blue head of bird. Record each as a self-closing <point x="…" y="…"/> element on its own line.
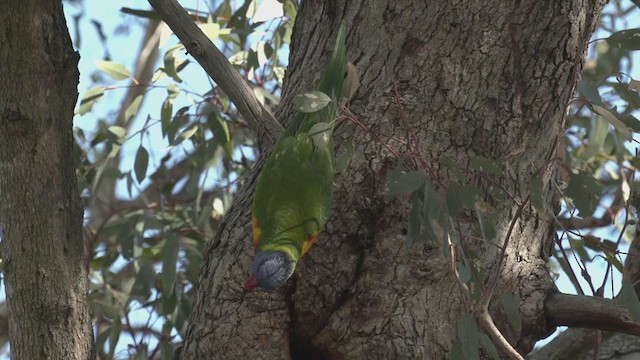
<point x="270" y="270"/>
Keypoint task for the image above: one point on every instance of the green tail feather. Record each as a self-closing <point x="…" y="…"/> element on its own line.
<point x="330" y="84"/>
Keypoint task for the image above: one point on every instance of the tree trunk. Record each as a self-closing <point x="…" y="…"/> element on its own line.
<point x="463" y="79"/>
<point x="40" y="210"/>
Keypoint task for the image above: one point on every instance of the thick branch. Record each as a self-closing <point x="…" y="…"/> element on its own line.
<point x="589" y="312"/>
<point x="219" y="69"/>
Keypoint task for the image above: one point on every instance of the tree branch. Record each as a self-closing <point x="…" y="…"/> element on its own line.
<point x="220" y="70"/>
<point x="589" y="312"/>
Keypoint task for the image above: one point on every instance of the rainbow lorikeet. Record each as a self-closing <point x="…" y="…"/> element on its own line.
<point x="293" y="195"/>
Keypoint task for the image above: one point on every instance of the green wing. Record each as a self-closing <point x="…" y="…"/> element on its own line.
<point x="293" y="196"/>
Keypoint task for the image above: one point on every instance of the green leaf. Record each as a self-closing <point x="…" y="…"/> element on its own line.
<point x="343" y="159"/>
<point x="239" y="58"/>
<point x="141" y="289"/>
<point x="172" y="91"/>
<point x="432" y="212"/>
<point x="464" y="271"/>
<point x="456" y="350"/>
<point x="188" y="133"/>
<point x="321" y="134"/>
<point x="220" y="130"/>
<point x="460" y="197"/>
<point x="486" y="219"/>
<point x="400" y="181"/>
<point x="469" y="337"/>
<point x="170" y="63"/>
<point x="511" y="309"/>
<point x="89" y="99"/>
<point x="141" y="163"/>
<point x="489" y="347"/>
<point x="165" y="115"/>
<point x="486" y="165"/>
<point x="414" y="220"/>
<point x="584" y="190"/>
<point x="212" y="30"/>
<point x="613" y="260"/>
<point x="590" y="90"/>
<point x="169" y="264"/>
<point x="597" y="136"/>
<point x="132" y="109"/>
<point x="116" y="134"/>
<point x="311" y="101"/>
<point x="114" y="336"/>
<point x="114" y="70"/>
<point x="102" y="337"/>
<point x="625" y="40"/>
<point x="621" y="128"/>
<point x="452" y="166"/>
<point x="629" y="298"/>
<point x="536" y="193"/>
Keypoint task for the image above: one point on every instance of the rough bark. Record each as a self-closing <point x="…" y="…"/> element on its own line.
<point x="487" y="78"/>
<point x="40" y="209"/>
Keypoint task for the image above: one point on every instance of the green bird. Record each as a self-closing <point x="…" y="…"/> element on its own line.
<point x="293" y="195"/>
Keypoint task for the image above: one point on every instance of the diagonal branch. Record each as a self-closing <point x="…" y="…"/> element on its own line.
<point x="220" y="70"/>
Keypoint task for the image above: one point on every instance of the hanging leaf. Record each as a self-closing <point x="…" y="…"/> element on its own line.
<point x="141" y="163"/>
<point x="590" y="90"/>
<point x="169" y="264"/>
<point x="511" y="309"/>
<point x="141" y="289"/>
<point x="170" y="62"/>
<point x="629" y="298"/>
<point x="113" y="70"/>
<point x="321" y="134"/>
<point x="486" y="165"/>
<point x="132" y="109"/>
<point x="89" y="99"/>
<point x="165" y="115"/>
<point x="460" y="197"/>
<point x="489" y="347"/>
<point x="536" y="193"/>
<point x="453" y="167"/>
<point x="597" y="136"/>
<point x="414" y="220"/>
<point x="400" y="181"/>
<point x="116" y="134"/>
<point x="220" y="130"/>
<point x="344" y="157"/>
<point x="621" y="128"/>
<point x="469" y="335"/>
<point x="433" y="211"/>
<point x="311" y="101"/>
<point x="625" y="40"/>
<point x="584" y="191"/>
<point x="114" y="336"/>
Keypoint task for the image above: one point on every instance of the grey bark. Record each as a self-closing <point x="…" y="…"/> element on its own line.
<point x="487" y="78"/>
<point x="40" y="209"/>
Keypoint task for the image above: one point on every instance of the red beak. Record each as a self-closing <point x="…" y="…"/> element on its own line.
<point x="251" y="282"/>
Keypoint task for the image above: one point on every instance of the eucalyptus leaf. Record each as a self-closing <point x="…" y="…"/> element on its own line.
<point x="141" y="163"/>
<point x="114" y="70"/>
<point x="401" y="181"/>
<point x="469" y="337"/>
<point x="311" y="101"/>
<point x="625" y="39"/>
<point x="321" y="134"/>
<point x="511" y="309"/>
<point x="629" y="298"/>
